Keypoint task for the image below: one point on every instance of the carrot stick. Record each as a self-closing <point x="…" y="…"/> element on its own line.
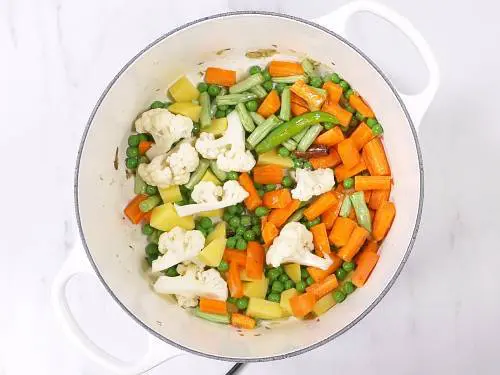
<point x="268" y="174"/>
<point x="329" y="161"/>
<point x="366" y="264"/>
<point x="218" y="76"/>
<point x="372" y="215"/>
<point x="376" y="159"/>
<point x="362" y="135"/>
<point x="370" y="246"/>
<point x="372" y="183"/>
<point x="313" y="98"/>
<point x="383" y="220"/>
<point x="284" y="68"/>
<point x="319" y="275"/>
<point x="213" y="306"/>
<point x="269" y="233"/>
<point x="359" y="105"/>
<point x="324" y="287"/>
<point x="378" y="197"/>
<point x="242" y="321"/>
<point x="147" y="217"/>
<point x="297" y="109"/>
<point x="340" y="113"/>
<point x="255" y="260"/>
<point x="348" y="152"/>
<point x="253" y="200"/>
<point x="334" y="91"/>
<point x="270" y="104"/>
<point x="351" y="248"/>
<point x="132" y="211"/>
<point x="341" y="231"/>
<point x="235" y="256"/>
<point x="320" y="205"/>
<point x="144" y="146"/>
<point x="234" y="283"/>
<point x="277" y="199"/>
<point x="367" y="195"/>
<point x="342" y="172"/>
<point x="328" y="217"/>
<point x="302" y="304"/>
<point x="279" y="216"/>
<point x="330" y="137"/>
<point x="320" y="240"/>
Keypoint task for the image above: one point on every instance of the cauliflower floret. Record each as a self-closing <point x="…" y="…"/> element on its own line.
<point x="236" y="160"/>
<point x="311" y="183"/>
<point x="294" y="244"/>
<point x="187" y="302"/>
<point x="182" y="162"/>
<point x="178" y="246"/>
<point x="157" y="172"/>
<point x="165" y="127"/>
<point x="234" y="192"/>
<point x="206" y="192"/>
<point x="209" y="147"/>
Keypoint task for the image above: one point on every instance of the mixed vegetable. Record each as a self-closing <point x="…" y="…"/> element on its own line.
<point x="261" y="198"/>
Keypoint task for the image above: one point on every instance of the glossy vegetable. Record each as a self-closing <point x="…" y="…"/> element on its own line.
<point x="245" y="118"/>
<point x="218" y="126"/>
<point x="331" y="137"/>
<point x="359" y="105"/>
<point x="329" y="161"/>
<point x="170" y="194"/>
<point x="324" y="202"/>
<point x="262" y="309"/>
<point x="308" y="139"/>
<point x="234" y="283"/>
<point x="383" y="220"/>
<point x="378" y="197"/>
<point x="375" y="158"/>
<point x="218" y="76"/>
<point x="320" y="240"/>
<point x="183" y="90"/>
<point x="165" y="218"/>
<point x="341" y="231"/>
<point x="353" y="245"/>
<point x="362" y="135"/>
<point x="133" y="212"/>
<point x="270" y="104"/>
<point x="324" y="304"/>
<point x="212" y="254"/>
<point x="262" y="131"/>
<point x="212" y="306"/>
<point x="277" y="198"/>
<point x="313" y="98"/>
<point x="348" y="153"/>
<point x="247" y="83"/>
<point x="366" y="264"/>
<point x="343" y="116"/>
<point x="269" y="232"/>
<point x="198" y="174"/>
<point x="324" y="287"/>
<point x="215" y="318"/>
<point x="329" y="216"/>
<point x="342" y="172"/>
<point x="188" y="109"/>
<point x="253" y="200"/>
<point x="242" y="321"/>
<point x="302" y="304"/>
<point x="284" y="68"/>
<point x="286" y="295"/>
<point x="256" y="288"/>
<point x="362" y="213"/>
<point x="271" y="157"/>
<point x="255" y="260"/>
<point x="268" y="174"/>
<point x="279" y="216"/>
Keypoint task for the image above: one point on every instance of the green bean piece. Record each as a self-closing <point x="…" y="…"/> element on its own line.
<point x="362" y="212"/>
<point x="157" y="104"/>
<point x="255" y="69"/>
<point x="219" y="173"/>
<point x="319" y="90"/>
<point x="139" y="185"/>
<point x="316" y="82"/>
<point x="297" y="215"/>
<point x="150" y="203"/>
<point x="213" y="106"/>
<point x="377" y="130"/>
<point x="290" y="145"/>
<point x="205" y="119"/>
<point x="290" y="79"/>
<point x="285" y="111"/>
<point x="297" y="138"/>
<point x="346" y="207"/>
<point x="371" y="122"/>
<point x="233" y="99"/>
<point x="214" y="318"/>
<point x="198" y="174"/>
<point x="309" y="137"/>
<point x="259" y="91"/>
<point x="151" y="190"/>
<point x="247" y="83"/>
<point x="308" y="67"/>
<point x="262" y="131"/>
<point x="257" y="119"/>
<point x="245" y="118"/>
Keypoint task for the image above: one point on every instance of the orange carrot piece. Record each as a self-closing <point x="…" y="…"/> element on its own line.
<point x="132" y="211"/>
<point x="213" y="306"/>
<point x="298" y="110"/>
<point x="366" y="264"/>
<point x="348" y="152"/>
<point x="378" y="197"/>
<point x="372" y="214"/>
<point x="242" y="321"/>
<point x="277" y="199"/>
<point x="330" y="137"/>
<point x="218" y="76"/>
<point x="144" y="146"/>
<point x="269" y="233"/>
<point x="313" y="98"/>
<point x="234" y="283"/>
<point x="341" y="231"/>
<point x="235" y="256"/>
<point x="362" y="135"/>
<point x="367" y="194"/>
<point x="324" y="287"/>
<point x="329" y="161"/>
<point x="147" y="217"/>
<point x="324" y="202"/>
<point x="319" y="275"/>
<point x="255" y="260"/>
<point x="328" y="217"/>
<point x="263" y="221"/>
<point x="344" y="116"/>
<point x="351" y="248"/>
<point x="294" y="98"/>
<point x="253" y="200"/>
<point x="342" y="172"/>
<point x="370" y="246"/>
<point x="279" y="216"/>
<point x="339" y="188"/>
<point x="376" y="159"/>
<point x="334" y="91"/>
<point x="372" y="183"/>
<point x="383" y="220"/>
<point x="359" y="105"/>
<point x="284" y="68"/>
<point x="270" y="104"/>
<point x="268" y="174"/>
<point x="320" y="240"/>
<point x="302" y="304"/>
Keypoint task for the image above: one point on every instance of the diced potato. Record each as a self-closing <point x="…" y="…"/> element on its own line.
<point x="165" y="218"/>
<point x="217" y="127"/>
<point x="293" y="271"/>
<point x="211" y="255"/>
<point x="218" y="212"/>
<point x="210" y="177"/>
<point x="245" y="277"/>
<point x="188" y="109"/>
<point x="183" y="90"/>
<point x="218" y="232"/>
<point x="272" y="157"/>
<point x="171" y="194"/>
<point x="324" y="304"/>
<point x="264" y="309"/>
<point x="285" y="300"/>
<point x="257" y="288"/>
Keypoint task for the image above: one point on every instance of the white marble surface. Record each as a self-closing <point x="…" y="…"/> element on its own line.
<point x="441" y="317"/>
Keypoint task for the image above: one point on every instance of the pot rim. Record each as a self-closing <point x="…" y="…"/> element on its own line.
<point x="410" y="244"/>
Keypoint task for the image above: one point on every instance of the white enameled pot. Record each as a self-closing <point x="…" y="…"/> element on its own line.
<point x="115" y="248"/>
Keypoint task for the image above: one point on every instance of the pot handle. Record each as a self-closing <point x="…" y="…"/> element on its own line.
<point x="416" y="104"/>
<point x="158" y="351"/>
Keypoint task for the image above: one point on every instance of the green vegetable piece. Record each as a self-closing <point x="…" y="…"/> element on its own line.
<point x="345" y="86"/>
<point x="283" y="151"/>
<point x="132" y="162"/>
<point x="249" y="235"/>
<point x="268" y="85"/>
<point x="266" y="75"/>
<point x="219" y="173"/>
<point x="303" y="273"/>
<point x="312" y="223"/>
<point x="283" y="277"/>
<point x="335" y="78"/>
<point x="247" y="83"/>
<point x="133" y="140"/>
<point x="205" y="118"/>
<point x="213" y="90"/>
<point x="286" y="101"/>
<point x="234" y="222"/>
<point x="223" y="266"/>
<point x="338" y="296"/>
<point x="152" y="250"/>
<point x="277" y="286"/>
<point x="252" y="106"/>
<point x="346" y="207"/>
<point x="202" y="87"/>
<point x="290" y="144"/>
<point x="150" y="203"/>
<point x="300" y="286"/>
<point x="308" y="67"/>
<point x="349" y="266"/>
<point x="270" y="187"/>
<point x="287" y="182"/>
<point x="274" y="297"/>
<point x="255" y="69"/>
<point x="151" y="190"/>
<point x="206" y="222"/>
<point x="231" y="242"/>
<point x="289" y="284"/>
<point x="260" y="92"/>
<point x="261" y="211"/>
<point x="214" y="318"/>
<point x="298" y="163"/>
<point x="328" y="126"/>
<point x="242" y="303"/>
<point x="157" y="104"/>
<point x="280" y="87"/>
<point x="147" y="229"/>
<point x="362" y="212"/>
<point x="308" y="139"/>
<point x="348" y="287"/>
<point x="232" y="175"/>
<point x="240" y="231"/>
<point x="262" y="130"/>
<point x="198" y="174"/>
<point x="290" y="79"/>
<point x="171" y="271"/>
<point x="371" y="122"/>
<point x="246" y="221"/>
<point x="309" y="281"/>
<point x="257" y="119"/>
<point x="349" y="183"/>
<point x="273" y="274"/>
<point x="139" y="185"/>
<point x="241" y="244"/>
<point x="316" y="82"/>
<point x="360" y="117"/>
<point x="233" y="99"/>
<point x="341" y="274"/>
<point x="377" y="130"/>
<point x="256" y="229"/>
<point x="297" y="215"/>
<point x="220" y="113"/>
<point x="348" y="93"/>
<point x="245" y="118"/>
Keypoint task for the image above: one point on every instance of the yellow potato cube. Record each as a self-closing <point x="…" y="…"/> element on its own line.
<point x="165" y="218"/>
<point x="211" y="255"/>
<point x="324" y="304"/>
<point x="264" y="309"/>
<point x="183" y="90"/>
<point x="293" y="271"/>
<point x="218" y="232"/>
<point x="272" y="157"/>
<point x="217" y="127"/>
<point x="188" y="109"/>
<point x="171" y="194"/>
<point x="210" y="177"/>
<point x="256" y="288"/>
<point x="285" y="300"/>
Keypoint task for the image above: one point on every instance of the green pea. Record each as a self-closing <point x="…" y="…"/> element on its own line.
<point x="338" y="296"/>
<point x="132" y="152"/>
<point x="255" y="69"/>
<point x="270" y="187"/>
<point x="316" y="82"/>
<point x="232" y="175"/>
<point x="298" y="163"/>
<point x="246" y="221"/>
<point x="172" y="271"/>
<point x="300" y="286"/>
<point x="132" y="162"/>
<point x="266" y="75"/>
<point x="240" y="231"/>
<point x="249" y="235"/>
<point x="223" y="107"/>
<point x="287" y="181"/>
<point x="307" y="164"/>
<point x="234" y="222"/>
<point x="232" y="209"/>
<point x="252" y="105"/>
<point x="335" y="78"/>
<point x="241" y="244"/>
<point x="206" y="222"/>
<point x="274" y="297"/>
<point x="147" y="229"/>
<point x="242" y="303"/>
<point x="133" y="140"/>
<point x="152" y="250"/>
<point x="303" y="273"/>
<point x="261" y="211"/>
<point x="151" y="190"/>
<point x="202" y="87"/>
<point x="227" y="216"/>
<point x="345" y="86"/>
<point x="283" y="278"/>
<point x="258" y="186"/>
<point x="328" y="126"/>
<point x="273" y="274"/>
<point x="223" y="266"/>
<point x="231" y="242"/>
<point x="143" y="137"/>
<point x="289" y="284"/>
<point x="281" y="269"/>
<point x="277" y="286"/>
<point x="349" y="266"/>
<point x="348" y="287"/>
<point x="268" y="85"/>
<point x="280" y="87"/>
<point x="348" y="93"/>
<point x="255" y="220"/>
<point x="213" y="90"/>
<point x="232" y="300"/>
<point x="196" y="128"/>
<point x="256" y="229"/>
<point x="240" y="208"/>
<point x="349" y="183"/>
<point x="360" y="117"/>
<point x="261" y="192"/>
<point x="341" y="274"/>
<point x="377" y="130"/>
<point x="371" y="122"/>
<point x="220" y="114"/>
<point x="157" y="104"/>
<point x="349" y="109"/>
<point x="309" y="281"/>
<point x="283" y="151"/>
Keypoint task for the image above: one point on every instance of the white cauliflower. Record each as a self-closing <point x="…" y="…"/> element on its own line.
<point x="294" y="245"/>
<point x="165" y="127"/>
<point x="178" y="246"/>
<point x="187" y="302"/>
<point x="232" y="193"/>
<point x="157" y="172"/>
<point x="206" y="192"/>
<point x="237" y="160"/>
<point x="311" y="183"/>
<point x="209" y="147"/>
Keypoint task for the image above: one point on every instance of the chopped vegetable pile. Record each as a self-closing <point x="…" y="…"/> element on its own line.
<point x="261" y="198"/>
